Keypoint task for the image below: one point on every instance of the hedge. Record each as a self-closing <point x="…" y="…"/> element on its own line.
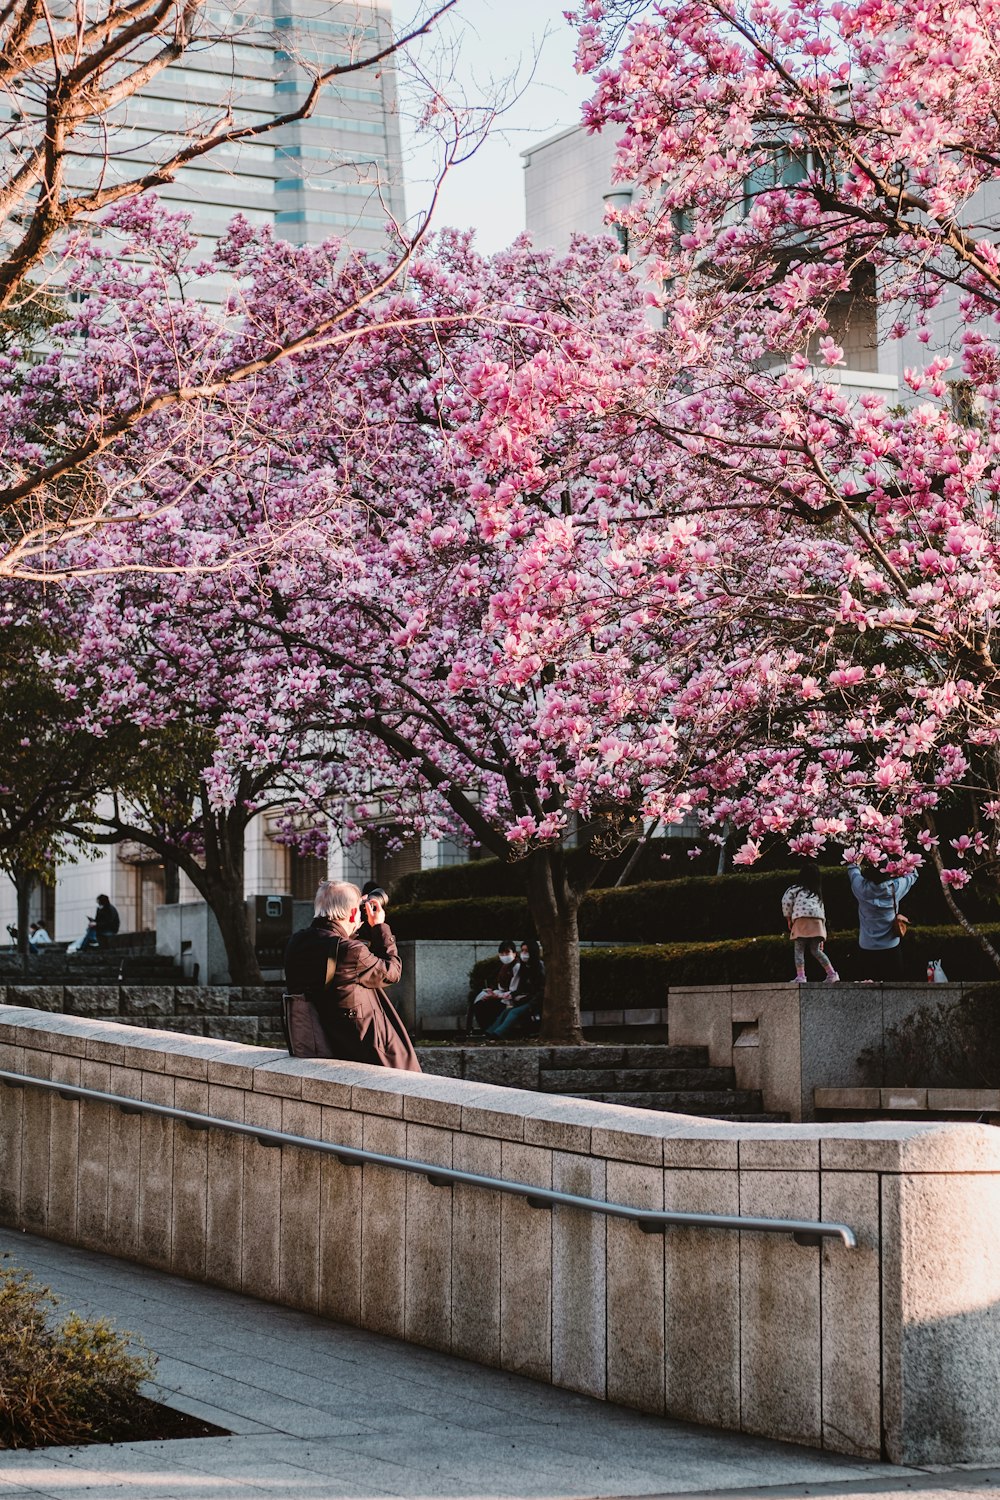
<point x="659" y="860"/>
<point x="697" y="908"/>
<point x="637" y="977"/>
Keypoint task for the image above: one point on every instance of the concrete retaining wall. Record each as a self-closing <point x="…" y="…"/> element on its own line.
<point x="789" y="1040"/>
<point x="891" y="1348"/>
<point x="251" y="1015"/>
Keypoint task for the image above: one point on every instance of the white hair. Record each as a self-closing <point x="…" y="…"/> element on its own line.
<point x="337" y="899"/>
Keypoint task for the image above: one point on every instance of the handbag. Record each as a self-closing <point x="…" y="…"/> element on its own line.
<point x="899" y="922"/>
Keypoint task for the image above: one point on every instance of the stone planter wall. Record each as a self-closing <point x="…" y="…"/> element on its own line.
<point x="251" y="1015"/>
<point x="892" y="1349"/>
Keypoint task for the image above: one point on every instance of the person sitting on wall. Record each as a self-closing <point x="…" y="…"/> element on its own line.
<point x="487" y="1006"/>
<point x="336" y="1001"/>
<point x="523" y="1008"/>
<point x="37" y="937"/>
<point x="106" y="921"/>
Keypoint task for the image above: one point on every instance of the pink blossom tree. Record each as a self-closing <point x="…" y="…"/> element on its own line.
<point x="475" y="639"/>
<point x="471" y="490"/>
<point x="82" y="157"/>
<point x="790" y="164"/>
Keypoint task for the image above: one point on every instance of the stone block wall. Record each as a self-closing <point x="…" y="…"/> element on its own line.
<point x="789" y="1040"/>
<point x="251" y="1015"/>
<point x="891" y="1349"/>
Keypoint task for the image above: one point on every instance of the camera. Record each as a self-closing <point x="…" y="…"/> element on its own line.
<point x="374" y="897"/>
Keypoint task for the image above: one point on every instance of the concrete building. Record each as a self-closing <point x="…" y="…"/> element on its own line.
<point x="336" y="173"/>
<point x="568" y="189"/>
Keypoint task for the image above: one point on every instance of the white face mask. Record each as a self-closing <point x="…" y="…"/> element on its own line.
<point x="506" y="958"/>
<point x="525" y="955"/>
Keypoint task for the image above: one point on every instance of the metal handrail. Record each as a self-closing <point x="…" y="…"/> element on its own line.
<point x="649" y="1220"/>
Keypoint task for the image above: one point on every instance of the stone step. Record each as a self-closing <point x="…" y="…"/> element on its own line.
<point x="764" y="1118"/>
<point x="721" y="1103"/>
<point x="651" y="1056"/>
<point x="633" y="1080"/>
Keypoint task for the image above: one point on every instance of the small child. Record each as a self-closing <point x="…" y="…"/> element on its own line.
<point x="802" y="905"/>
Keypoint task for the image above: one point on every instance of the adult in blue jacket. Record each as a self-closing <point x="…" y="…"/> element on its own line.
<point x="879" y="897"/>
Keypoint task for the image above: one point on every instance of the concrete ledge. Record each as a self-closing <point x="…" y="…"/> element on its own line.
<point x="791" y="1041"/>
<point x="892" y="1349"/>
<point x="935" y="1101"/>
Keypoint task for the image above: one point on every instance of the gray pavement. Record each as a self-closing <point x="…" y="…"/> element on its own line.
<point x="321" y="1411"/>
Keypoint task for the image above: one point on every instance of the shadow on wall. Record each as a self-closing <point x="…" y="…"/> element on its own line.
<point x="954" y="1043"/>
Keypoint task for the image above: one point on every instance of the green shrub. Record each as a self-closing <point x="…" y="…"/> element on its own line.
<point x="659" y="859"/>
<point x="696" y="908"/>
<point x="74" y="1381"/>
<point x="637" y="976"/>
<point x="488" y="919"/>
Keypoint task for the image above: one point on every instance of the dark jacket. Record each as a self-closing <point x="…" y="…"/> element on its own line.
<point x="106" y="920"/>
<point x="344" y="1011"/>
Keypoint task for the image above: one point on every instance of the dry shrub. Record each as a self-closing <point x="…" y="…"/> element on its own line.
<point x="62" y="1382"/>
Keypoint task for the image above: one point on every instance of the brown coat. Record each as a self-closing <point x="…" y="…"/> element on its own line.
<point x="340" y="1009"/>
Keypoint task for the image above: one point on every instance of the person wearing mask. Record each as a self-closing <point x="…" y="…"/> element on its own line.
<point x="38" y="937"/>
<point x="486" y="1007"/>
<point x="336" y="1005"/>
<point x="524" y="1004"/>
<point x="878" y="896"/>
<point x="804" y="911"/>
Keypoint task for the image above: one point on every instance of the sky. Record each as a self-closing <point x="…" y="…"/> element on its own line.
<point x="484" y="49"/>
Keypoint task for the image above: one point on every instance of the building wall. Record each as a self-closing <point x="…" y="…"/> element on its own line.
<point x="565" y="182"/>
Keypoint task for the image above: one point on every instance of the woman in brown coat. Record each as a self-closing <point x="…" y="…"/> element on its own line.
<point x="336" y="1000"/>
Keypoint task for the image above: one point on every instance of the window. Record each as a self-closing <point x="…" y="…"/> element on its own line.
<point x="782" y="168"/>
<point x="305" y="873"/>
<point x="340" y="221"/>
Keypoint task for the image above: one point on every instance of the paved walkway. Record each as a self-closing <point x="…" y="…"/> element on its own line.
<point x="319" y="1411"/>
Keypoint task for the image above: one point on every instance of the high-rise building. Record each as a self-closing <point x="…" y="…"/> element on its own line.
<point x="336" y="172"/>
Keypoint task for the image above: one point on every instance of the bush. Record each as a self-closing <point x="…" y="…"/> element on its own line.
<point x="487" y="919"/>
<point x="659" y="860"/>
<point x="76" y="1381"/>
<point x="695" y="908"/>
<point x="637" y="976"/>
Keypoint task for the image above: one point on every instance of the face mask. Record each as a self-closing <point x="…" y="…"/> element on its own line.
<point x="506" y="958"/>
<point x="525" y="955"/>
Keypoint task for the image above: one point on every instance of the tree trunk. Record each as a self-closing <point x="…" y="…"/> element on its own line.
<point x="554" y="907"/>
<point x="221" y="884"/>
<point x="953" y="906"/>
<point x="228" y="904"/>
<point x="24" y="884"/>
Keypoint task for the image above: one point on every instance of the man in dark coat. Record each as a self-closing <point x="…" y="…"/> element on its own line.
<point x="337" y="1005"/>
<point x="106" y="921"/>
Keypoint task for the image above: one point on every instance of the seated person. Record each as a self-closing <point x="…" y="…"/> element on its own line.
<point x="486" y="1007"/>
<point x="37" y="937"/>
<point x="106" y="921"/>
<point x="523" y="1007"/>
<point x="89" y="939"/>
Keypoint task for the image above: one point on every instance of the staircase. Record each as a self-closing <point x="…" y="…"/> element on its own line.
<point x="131" y="958"/>
<point x="677" y="1079"/>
